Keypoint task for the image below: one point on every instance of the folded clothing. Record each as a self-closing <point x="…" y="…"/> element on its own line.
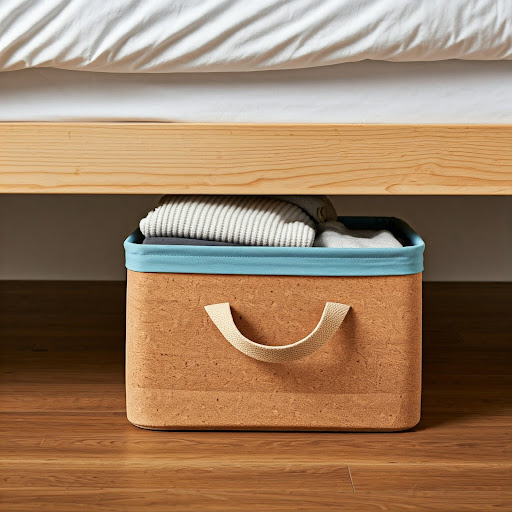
<point x="319" y="208"/>
<point x="243" y="220"/>
<point x="334" y="234"/>
<point x="331" y="234"/>
<point x="174" y="240"/>
<point x="281" y="221"/>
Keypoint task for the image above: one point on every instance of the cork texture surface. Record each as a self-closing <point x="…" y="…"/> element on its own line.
<point x="182" y="374"/>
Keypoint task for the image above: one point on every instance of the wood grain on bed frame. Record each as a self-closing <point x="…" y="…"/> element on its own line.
<point x="136" y="158"/>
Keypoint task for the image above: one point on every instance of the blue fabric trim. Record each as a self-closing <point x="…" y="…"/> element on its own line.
<point x="293" y="261"/>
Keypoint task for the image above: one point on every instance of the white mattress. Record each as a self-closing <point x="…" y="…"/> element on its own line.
<point x="163" y="36"/>
<point x="363" y="92"/>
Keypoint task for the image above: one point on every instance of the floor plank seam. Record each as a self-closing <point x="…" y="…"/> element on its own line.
<point x="351" y="481"/>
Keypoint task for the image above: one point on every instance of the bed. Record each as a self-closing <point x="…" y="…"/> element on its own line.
<point x="371" y="97"/>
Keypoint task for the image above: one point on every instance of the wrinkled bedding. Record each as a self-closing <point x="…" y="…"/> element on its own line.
<point x="170" y="36"/>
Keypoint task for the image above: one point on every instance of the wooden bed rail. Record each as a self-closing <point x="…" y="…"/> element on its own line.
<point x="147" y="158"/>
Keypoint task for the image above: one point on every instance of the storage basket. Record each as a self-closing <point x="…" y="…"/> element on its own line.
<point x="212" y="335"/>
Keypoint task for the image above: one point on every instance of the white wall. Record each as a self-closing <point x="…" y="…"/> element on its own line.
<point x="80" y="237"/>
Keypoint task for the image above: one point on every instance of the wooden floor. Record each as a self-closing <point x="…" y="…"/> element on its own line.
<point x="66" y="444"/>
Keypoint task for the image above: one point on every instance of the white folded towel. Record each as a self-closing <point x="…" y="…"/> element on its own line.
<point x="246" y="220"/>
<point x="334" y="234"/>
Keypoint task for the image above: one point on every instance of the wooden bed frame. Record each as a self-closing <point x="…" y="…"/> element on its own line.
<point x="157" y="158"/>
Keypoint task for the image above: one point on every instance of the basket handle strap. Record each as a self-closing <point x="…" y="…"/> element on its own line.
<point x="332" y="317"/>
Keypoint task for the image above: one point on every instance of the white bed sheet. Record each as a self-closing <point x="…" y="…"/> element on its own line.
<point x="364" y="92"/>
<point x="168" y="36"/>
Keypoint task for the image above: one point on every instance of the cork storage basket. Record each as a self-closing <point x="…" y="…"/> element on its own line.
<point x="212" y="335"/>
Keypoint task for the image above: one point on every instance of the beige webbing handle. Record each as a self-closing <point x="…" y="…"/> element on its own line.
<point x="332" y="317"/>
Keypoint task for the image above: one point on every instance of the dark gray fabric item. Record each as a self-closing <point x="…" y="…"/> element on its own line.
<point x="173" y="240"/>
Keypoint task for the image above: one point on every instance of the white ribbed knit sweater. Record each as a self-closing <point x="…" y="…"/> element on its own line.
<point x="245" y="220"/>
